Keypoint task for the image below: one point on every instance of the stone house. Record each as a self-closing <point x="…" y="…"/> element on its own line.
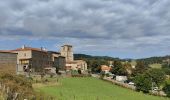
<point x="32" y="59"/>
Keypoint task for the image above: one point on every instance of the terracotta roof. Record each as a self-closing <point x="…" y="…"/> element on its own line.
<point x="105" y="67"/>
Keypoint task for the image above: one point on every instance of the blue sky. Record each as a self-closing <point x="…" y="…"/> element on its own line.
<point x="117" y="28"/>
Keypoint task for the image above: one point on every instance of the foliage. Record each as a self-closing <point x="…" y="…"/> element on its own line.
<point x="22" y="85"/>
<point x="118" y="68"/>
<point x="153" y="60"/>
<point x="140" y="68"/>
<point x="166" y="67"/>
<point x="166" y="89"/>
<point x="143" y="83"/>
<point x="128" y="67"/>
<point x="157" y="75"/>
<point x="74" y="72"/>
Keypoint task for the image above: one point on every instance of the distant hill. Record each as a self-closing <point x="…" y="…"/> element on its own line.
<point x="84" y="56"/>
<point x="153" y="60"/>
<point x="150" y="60"/>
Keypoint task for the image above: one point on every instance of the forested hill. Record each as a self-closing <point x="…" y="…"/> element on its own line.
<point x="150" y="60"/>
<point x="84" y="56"/>
<point x="153" y="60"/>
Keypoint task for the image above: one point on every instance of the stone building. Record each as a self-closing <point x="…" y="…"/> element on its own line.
<point x="28" y="60"/>
<point x="8" y="61"/>
<point x="67" y="52"/>
<point x="71" y="64"/>
<point x="32" y="59"/>
<point x="59" y="61"/>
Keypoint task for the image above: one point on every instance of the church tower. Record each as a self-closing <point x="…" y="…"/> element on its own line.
<point x="67" y="52"/>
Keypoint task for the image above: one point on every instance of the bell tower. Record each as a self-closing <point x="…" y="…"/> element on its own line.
<point x="67" y="52"/>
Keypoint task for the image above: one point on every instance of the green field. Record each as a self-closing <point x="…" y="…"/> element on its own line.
<point x="159" y="66"/>
<point x="92" y="89"/>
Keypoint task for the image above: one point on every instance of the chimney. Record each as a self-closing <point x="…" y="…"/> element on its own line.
<point x="23" y="47"/>
<point x="43" y="49"/>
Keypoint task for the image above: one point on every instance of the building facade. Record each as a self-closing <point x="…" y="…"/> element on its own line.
<point x="59" y="61"/>
<point x="32" y="59"/>
<point x="8" y="62"/>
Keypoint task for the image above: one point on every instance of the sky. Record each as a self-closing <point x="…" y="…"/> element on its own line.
<point x="116" y="28"/>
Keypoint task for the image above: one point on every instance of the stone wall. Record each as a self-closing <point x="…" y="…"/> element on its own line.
<point x="8" y="62"/>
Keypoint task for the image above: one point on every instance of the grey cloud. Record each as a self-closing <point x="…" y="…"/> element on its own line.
<point x="127" y="22"/>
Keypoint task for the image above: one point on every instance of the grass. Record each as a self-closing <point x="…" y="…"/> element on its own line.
<point x="92" y="89"/>
<point x="159" y="66"/>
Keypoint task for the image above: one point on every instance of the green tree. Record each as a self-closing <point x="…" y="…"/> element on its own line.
<point x="140" y="68"/>
<point x="157" y="75"/>
<point x="118" y="68"/>
<point x="166" y="68"/>
<point x="143" y="83"/>
<point x="166" y="89"/>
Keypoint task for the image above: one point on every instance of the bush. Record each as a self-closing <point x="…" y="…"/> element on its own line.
<point x="166" y="89"/>
<point x="19" y="84"/>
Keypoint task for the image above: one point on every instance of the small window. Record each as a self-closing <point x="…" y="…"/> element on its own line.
<point x="25" y="54"/>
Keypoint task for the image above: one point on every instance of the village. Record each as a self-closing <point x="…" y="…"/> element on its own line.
<point x="28" y="60"/>
<point x="37" y="61"/>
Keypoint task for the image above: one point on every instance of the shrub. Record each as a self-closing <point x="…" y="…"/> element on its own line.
<point x="166" y="89"/>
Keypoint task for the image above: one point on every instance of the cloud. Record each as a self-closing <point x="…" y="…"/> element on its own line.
<point x="119" y="24"/>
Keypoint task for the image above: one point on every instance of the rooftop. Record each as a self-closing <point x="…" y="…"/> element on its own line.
<point x="67" y="45"/>
<point x="7" y="51"/>
<point x="53" y="52"/>
<point x="29" y="48"/>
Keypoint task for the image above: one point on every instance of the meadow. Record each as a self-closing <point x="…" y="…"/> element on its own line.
<point x="159" y="66"/>
<point x="92" y="89"/>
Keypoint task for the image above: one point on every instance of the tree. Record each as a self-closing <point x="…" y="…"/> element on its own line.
<point x="118" y="68"/>
<point x="157" y="75"/>
<point x="140" y="68"/>
<point x="166" y="89"/>
<point x="166" y="68"/>
<point x="143" y="83"/>
<point x="128" y="67"/>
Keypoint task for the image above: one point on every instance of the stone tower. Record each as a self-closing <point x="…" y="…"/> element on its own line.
<point x="67" y="52"/>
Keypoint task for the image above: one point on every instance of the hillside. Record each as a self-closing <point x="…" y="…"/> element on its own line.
<point x="153" y="60"/>
<point x="84" y="56"/>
